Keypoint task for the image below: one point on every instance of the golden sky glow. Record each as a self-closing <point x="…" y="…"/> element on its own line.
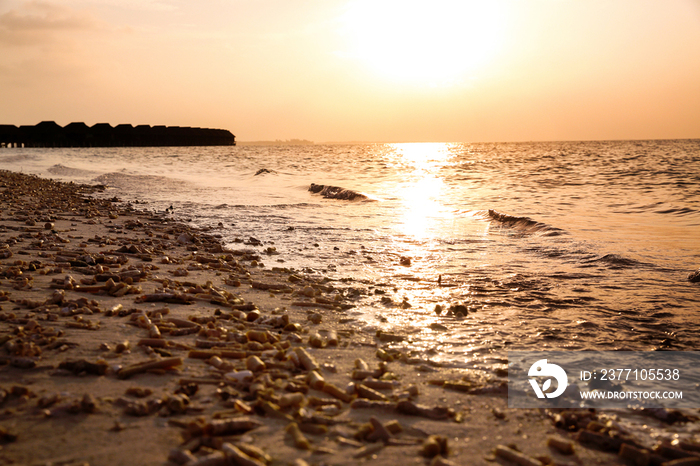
<point x="361" y="70"/>
<point x="409" y="43"/>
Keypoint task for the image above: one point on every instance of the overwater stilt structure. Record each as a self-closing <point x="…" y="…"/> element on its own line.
<point x="78" y="134"/>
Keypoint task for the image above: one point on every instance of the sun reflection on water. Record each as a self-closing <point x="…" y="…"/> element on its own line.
<point x="427" y="216"/>
<point x="422" y="155"/>
<point x="421" y="193"/>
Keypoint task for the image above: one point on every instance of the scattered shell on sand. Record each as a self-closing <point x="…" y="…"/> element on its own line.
<point x="217" y="366"/>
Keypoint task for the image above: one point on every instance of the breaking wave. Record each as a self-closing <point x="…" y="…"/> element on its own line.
<point x="122" y="179"/>
<point x="615" y="261"/>
<point x="525" y="224"/>
<point x="63" y="170"/>
<point x="336" y="192"/>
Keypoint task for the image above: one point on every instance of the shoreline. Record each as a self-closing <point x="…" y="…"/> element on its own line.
<point x="122" y="334"/>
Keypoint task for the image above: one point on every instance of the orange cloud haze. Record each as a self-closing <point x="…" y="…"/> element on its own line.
<point x="469" y="70"/>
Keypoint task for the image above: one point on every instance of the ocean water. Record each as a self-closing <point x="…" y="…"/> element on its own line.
<point x="553" y="245"/>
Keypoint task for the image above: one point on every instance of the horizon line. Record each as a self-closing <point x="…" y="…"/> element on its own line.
<point x="289" y="141"/>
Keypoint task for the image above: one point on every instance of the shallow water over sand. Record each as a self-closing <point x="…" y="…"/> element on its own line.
<point x="549" y="245"/>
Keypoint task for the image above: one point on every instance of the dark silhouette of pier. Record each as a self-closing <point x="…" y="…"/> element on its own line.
<point x="50" y="134"/>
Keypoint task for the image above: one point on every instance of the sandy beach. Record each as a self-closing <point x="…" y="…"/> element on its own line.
<point x="129" y="338"/>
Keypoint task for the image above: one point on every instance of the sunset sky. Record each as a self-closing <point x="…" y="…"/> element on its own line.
<point x="366" y="70"/>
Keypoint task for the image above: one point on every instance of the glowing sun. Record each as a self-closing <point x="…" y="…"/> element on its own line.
<point x="424" y="42"/>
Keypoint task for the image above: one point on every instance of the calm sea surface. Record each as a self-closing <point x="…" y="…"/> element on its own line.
<point x="569" y="246"/>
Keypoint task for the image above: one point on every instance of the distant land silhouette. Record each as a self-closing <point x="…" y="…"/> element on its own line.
<point x="50" y="134"/>
<point x="277" y="142"/>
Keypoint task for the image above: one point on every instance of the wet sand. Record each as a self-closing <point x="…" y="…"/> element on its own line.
<point x="129" y="338"/>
